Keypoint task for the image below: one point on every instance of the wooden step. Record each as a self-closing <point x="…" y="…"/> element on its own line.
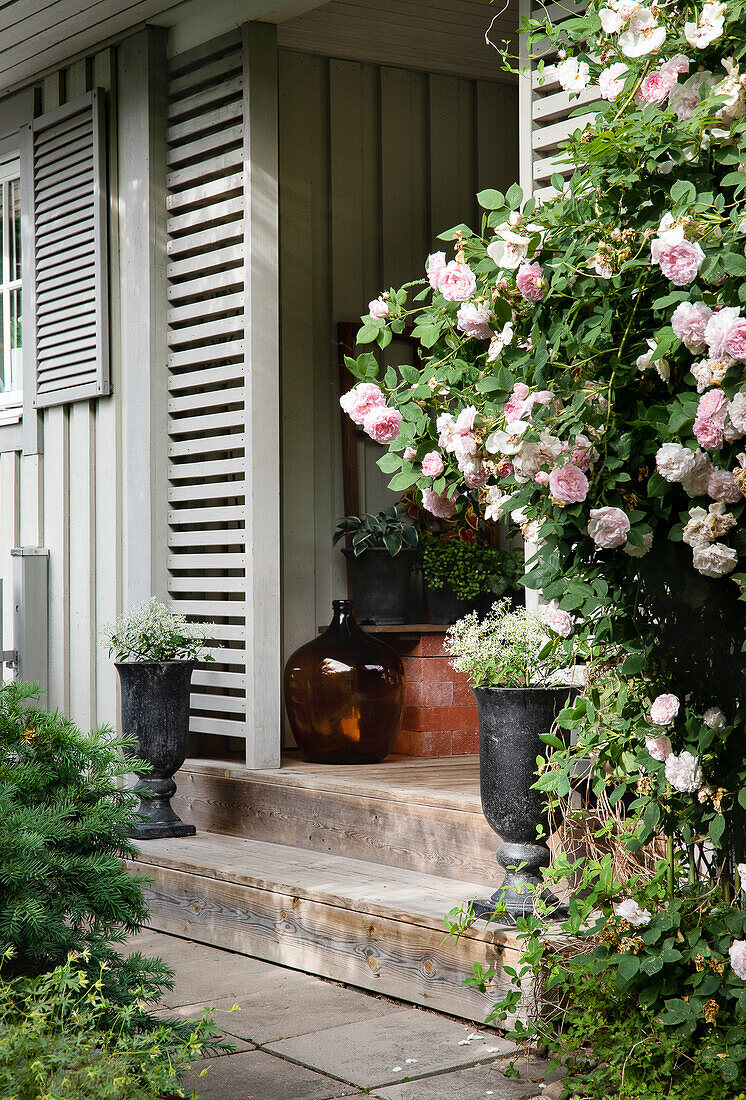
<point x="422" y="815"/>
<point x="351" y="920"/>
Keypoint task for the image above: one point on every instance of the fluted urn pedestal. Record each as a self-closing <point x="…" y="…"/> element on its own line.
<point x="155" y="713"/>
<point x="511" y="721"/>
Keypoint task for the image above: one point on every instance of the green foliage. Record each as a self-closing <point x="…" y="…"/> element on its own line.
<point x="152" y="632"/>
<point x="469" y="567"/>
<point x="386" y="530"/>
<point x="62" y="1038"/>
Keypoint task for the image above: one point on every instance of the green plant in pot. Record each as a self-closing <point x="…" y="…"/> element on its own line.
<point x="463" y="573"/>
<point x="517" y="662"/>
<point x="156" y="651"/>
<point x="380" y="560"/>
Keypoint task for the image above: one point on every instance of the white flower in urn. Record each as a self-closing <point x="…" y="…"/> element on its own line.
<point x="633" y="913"/>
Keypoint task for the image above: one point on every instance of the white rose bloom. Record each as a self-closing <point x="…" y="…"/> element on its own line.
<point x="508" y="250"/>
<point x="611" y="21"/>
<point x="630" y="911"/>
<point x="734" y="91"/>
<point x="683" y="100"/>
<point x="737" y="411"/>
<point x="708" y="28"/>
<point x="499" y="341"/>
<point x="643" y="36"/>
<point x="683" y="772"/>
<point x="532" y="456"/>
<point x="671" y="230"/>
<point x="639" y="551"/>
<point x="714" y="561"/>
<point x="719" y="522"/>
<point x="714" y="718"/>
<point x="645" y="361"/>
<point x="497" y="502"/>
<point x="573" y="75"/>
<point x="695" y="532"/>
<point x="673" y="462"/>
<point x="696" y="481"/>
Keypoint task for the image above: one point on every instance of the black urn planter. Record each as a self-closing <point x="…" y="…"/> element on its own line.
<point x="155" y="712"/>
<point x="380" y="584"/>
<point x="511" y="721"/>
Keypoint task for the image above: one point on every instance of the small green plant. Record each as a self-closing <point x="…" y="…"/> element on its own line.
<point x="63" y="1038"/>
<point x="385" y="530"/>
<point x="508" y="648"/>
<point x="152" y="632"/>
<point x="469" y="567"/>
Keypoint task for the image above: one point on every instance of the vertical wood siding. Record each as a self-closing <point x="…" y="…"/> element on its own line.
<point x="374" y="162"/>
<point x="67" y="498"/>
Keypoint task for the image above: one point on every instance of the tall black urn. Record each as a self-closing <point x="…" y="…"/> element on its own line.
<point x="155" y="712"/>
<point x="511" y="721"/>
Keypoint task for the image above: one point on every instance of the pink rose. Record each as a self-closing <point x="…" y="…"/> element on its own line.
<point x="558" y="620"/>
<point x="434" y="267"/>
<point x="676" y="65"/>
<point x="439" y="504"/>
<point x="714" y="404"/>
<point x="708" y="433"/>
<point x="608" y="527"/>
<point x="542" y="478"/>
<point x="583" y="453"/>
<point x="678" y="262"/>
<point x="735" y="341"/>
<point x="611" y="80"/>
<point x="378" y="308"/>
<point x="432" y="464"/>
<point x="361" y="400"/>
<point x="465" y="421"/>
<point x="504" y="468"/>
<point x="568" y="484"/>
<point x="721" y="486"/>
<point x="689" y="322"/>
<point x="530" y="282"/>
<point x="658" y="747"/>
<point x="516" y="403"/>
<point x="410" y="453"/>
<point x="656" y="86"/>
<point x="457" y="282"/>
<point x="382" y="424"/>
<point x="664" y="709"/>
<point x="475" y="473"/>
<point x="474" y="320"/>
<point x="718" y="329"/>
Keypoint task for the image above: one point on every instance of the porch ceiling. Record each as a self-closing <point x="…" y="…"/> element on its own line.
<point x="38" y="35"/>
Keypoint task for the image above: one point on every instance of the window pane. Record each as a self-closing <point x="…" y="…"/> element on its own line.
<point x="15" y="382"/>
<point x="4" y="350"/>
<point x="14" y="219"/>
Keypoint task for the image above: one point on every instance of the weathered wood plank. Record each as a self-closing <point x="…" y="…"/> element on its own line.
<point x="428" y="839"/>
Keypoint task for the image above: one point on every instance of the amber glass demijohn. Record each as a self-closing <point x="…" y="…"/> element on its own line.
<point x="344" y="693"/>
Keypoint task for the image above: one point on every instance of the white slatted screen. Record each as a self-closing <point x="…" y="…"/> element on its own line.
<point x="65" y="284"/>
<point x="206" y="201"/>
<point x="546" y="109"/>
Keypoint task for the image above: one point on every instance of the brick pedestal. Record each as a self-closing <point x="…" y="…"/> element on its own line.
<point x="440" y="711"/>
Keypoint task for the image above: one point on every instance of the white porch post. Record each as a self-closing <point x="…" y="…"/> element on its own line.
<point x="262" y="401"/>
<point x="142" y="212"/>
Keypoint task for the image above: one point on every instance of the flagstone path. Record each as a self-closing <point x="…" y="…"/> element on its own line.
<point x="298" y="1037"/>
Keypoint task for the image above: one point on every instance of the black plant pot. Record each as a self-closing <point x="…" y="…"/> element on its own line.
<point x="380" y="584"/>
<point x="444" y="606"/>
<point x="155" y="712"/>
<point x="511" y="721"/>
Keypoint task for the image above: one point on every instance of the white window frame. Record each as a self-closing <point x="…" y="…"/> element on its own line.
<point x="11" y="401"/>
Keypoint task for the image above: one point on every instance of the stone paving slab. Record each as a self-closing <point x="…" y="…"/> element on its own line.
<point x="478" y="1083"/>
<point x="297" y="1005"/>
<point x="409" y="1043"/>
<point x="260" y="1076"/>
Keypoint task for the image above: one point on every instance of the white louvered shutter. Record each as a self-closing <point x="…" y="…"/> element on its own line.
<point x="206" y="201"/>
<point x="545" y="109"/>
<point x="65" y="280"/>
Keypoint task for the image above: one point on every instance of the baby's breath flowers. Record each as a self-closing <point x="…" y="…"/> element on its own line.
<point x="508" y="648"/>
<point x="152" y="632"/>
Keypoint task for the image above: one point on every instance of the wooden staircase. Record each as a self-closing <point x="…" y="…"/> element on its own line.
<point x="345" y="872"/>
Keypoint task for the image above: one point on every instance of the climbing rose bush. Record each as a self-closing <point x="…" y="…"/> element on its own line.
<point x="582" y="376"/>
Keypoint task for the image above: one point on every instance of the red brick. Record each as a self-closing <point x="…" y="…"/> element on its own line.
<point x="431" y="645"/>
<point x="414" y="669"/>
<point x="465" y="741"/>
<point x="431" y="694"/>
<point x="439" y="718"/>
<point x="430" y="743"/>
<point x="438" y="668"/>
<point x="463" y="696"/>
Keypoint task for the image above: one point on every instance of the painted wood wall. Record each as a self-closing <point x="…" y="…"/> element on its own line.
<point x="374" y="162"/>
<point x="68" y="497"/>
